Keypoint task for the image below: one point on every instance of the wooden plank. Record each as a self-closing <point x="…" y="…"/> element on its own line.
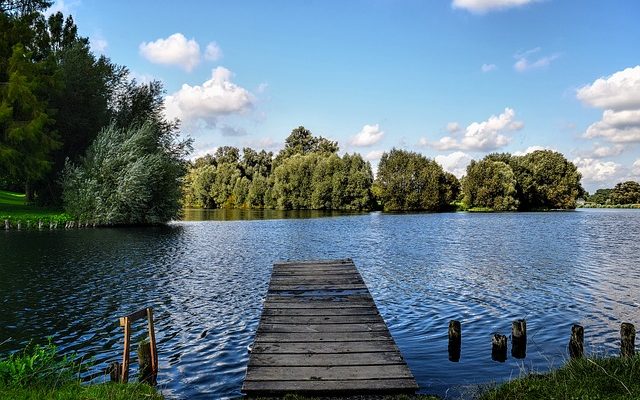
<point x="325" y="360"/>
<point x="313" y="262"/>
<point x="134" y="316"/>
<point x="320" y="331"/>
<point x="321" y="328"/>
<point x="322" y="337"/>
<point x="343" y="373"/>
<point x="275" y="310"/>
<point x="326" y="319"/>
<point x="322" y="348"/>
<point x="374" y="386"/>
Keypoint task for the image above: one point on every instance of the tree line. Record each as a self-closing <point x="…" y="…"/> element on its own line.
<point x="308" y="174"/>
<point x="623" y="193"/>
<point x="76" y="129"/>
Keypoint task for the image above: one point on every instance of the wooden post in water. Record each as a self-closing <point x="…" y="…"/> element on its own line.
<point x="499" y="347"/>
<point x="150" y="361"/>
<point x="576" y="343"/>
<point x="19" y="225"/>
<point x="125" y="355"/>
<point x="519" y="338"/>
<point x="145" y="362"/>
<point x="627" y="340"/>
<point x="40" y="224"/>
<point x="115" y="371"/>
<point x="455" y="340"/>
<point x="6" y="225"/>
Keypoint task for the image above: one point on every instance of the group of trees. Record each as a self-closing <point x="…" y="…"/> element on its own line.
<point x="306" y="174"/>
<point x="57" y="98"/>
<point x="541" y="180"/>
<point x="623" y="193"/>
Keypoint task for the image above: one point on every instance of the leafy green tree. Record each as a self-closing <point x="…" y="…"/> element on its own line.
<point x="601" y="196"/>
<point x="128" y="176"/>
<point x="357" y="185"/>
<point x="198" y="183"/>
<point x="626" y="193"/>
<point x="547" y="181"/>
<point x="490" y="184"/>
<point x="227" y="174"/>
<point x="301" y="141"/>
<point x="26" y="139"/>
<point x="410" y="181"/>
<point x="324" y="173"/>
<point x="293" y="182"/>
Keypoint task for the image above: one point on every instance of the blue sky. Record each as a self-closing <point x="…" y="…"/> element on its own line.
<point x="452" y="79"/>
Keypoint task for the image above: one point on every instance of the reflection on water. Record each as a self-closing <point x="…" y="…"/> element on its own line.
<point x="206" y="281"/>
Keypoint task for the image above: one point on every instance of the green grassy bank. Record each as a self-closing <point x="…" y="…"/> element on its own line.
<point x="13" y="207"/>
<point x="75" y="391"/>
<point x="586" y="379"/>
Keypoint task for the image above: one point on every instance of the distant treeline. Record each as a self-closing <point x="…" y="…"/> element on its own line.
<point x="308" y="174"/>
<point x="624" y="193"/>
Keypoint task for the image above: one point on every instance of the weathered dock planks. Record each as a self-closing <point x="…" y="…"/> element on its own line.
<point x="321" y="333"/>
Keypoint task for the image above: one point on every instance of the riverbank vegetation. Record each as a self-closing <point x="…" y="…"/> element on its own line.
<point x="584" y="378"/>
<point x="39" y="372"/>
<point x="56" y="99"/>
<point x="623" y="195"/>
<point x="309" y="174"/>
<point x="15" y="209"/>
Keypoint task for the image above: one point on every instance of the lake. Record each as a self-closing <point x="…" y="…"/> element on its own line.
<point x="206" y="281"/>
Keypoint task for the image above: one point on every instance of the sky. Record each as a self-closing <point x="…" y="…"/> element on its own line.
<point x="451" y="79"/>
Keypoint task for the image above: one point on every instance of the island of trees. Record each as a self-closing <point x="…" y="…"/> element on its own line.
<point x="622" y="195"/>
<point x="308" y="174"/>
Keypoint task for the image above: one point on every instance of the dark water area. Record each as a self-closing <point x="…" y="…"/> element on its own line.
<point x="206" y="281"/>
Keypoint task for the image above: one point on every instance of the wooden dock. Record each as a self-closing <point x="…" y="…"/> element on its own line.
<point x="320" y="333"/>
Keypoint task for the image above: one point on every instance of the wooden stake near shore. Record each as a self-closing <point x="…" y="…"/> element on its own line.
<point x="455" y="340"/>
<point x="125" y="322"/>
<point x="519" y="338"/>
<point x="576" y="343"/>
<point x="627" y="340"/>
<point x="499" y="347"/>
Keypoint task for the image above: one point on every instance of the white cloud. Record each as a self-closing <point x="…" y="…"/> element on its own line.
<point x="481" y="136"/>
<point x="453" y="127"/>
<point x="368" y="136"/>
<point x="204" y="104"/>
<point x="530" y="149"/>
<point x="264" y="143"/>
<point x="593" y="170"/>
<point x="635" y="169"/>
<point x="604" y="151"/>
<point x="483" y="6"/>
<point x="525" y="63"/>
<point x="213" y="52"/>
<point x="174" y="50"/>
<point x="228" y="130"/>
<point x="374" y="155"/>
<point x="617" y="126"/>
<point x="99" y="44"/>
<point x="456" y="162"/>
<point x="203" y="151"/>
<point x="488" y="67"/>
<point x="620" y="91"/>
<point x="141" y="78"/>
<point x="65" y="7"/>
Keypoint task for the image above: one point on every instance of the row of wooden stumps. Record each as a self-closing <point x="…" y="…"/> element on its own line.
<point x="147" y="351"/>
<point x="519" y="341"/>
<point x="51" y="225"/>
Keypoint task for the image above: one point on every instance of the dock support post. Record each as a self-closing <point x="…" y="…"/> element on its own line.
<point x="455" y="340"/>
<point x="519" y="338"/>
<point x="576" y="343"/>
<point x="499" y="347"/>
<point x="627" y="339"/>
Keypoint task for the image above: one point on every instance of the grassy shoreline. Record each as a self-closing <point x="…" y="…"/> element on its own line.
<point x="14" y="208"/>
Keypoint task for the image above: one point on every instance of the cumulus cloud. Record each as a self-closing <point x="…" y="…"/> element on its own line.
<point x="488" y="67"/>
<point x="525" y="61"/>
<point x="204" y="104"/>
<point x="368" y="136"/>
<point x="456" y="162"/>
<point x="620" y="91"/>
<point x="99" y="44"/>
<point x="227" y="130"/>
<point x="635" y="169"/>
<point x="174" y="50"/>
<point x="530" y="149"/>
<point x="481" y="136"/>
<point x="483" y="6"/>
<point x="374" y="155"/>
<point x="599" y="151"/>
<point x="453" y="127"/>
<point x="619" y="96"/>
<point x="213" y="52"/>
<point x="65" y="7"/>
<point x="266" y="143"/>
<point x="594" y="171"/>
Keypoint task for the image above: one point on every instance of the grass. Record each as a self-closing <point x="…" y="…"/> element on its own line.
<point x="587" y="378"/>
<point x="13" y="207"/>
<point x="39" y="372"/>
<point x="595" y="205"/>
<point x="75" y="391"/>
<point x="355" y="397"/>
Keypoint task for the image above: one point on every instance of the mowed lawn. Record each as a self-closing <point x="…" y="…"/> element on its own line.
<point x="13" y="207"/>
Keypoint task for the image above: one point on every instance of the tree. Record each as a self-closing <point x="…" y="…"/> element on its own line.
<point x="26" y="139"/>
<point x="410" y="181"/>
<point x="128" y="176"/>
<point x="601" y="196"/>
<point x="626" y="193"/>
<point x="293" y="182"/>
<point x="490" y="184"/>
<point x="301" y="141"/>
<point x="547" y="180"/>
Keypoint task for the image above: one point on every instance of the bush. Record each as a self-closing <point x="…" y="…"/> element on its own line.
<point x="128" y="176"/>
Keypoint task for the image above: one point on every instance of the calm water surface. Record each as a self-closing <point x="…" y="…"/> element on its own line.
<point x="206" y="281"/>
